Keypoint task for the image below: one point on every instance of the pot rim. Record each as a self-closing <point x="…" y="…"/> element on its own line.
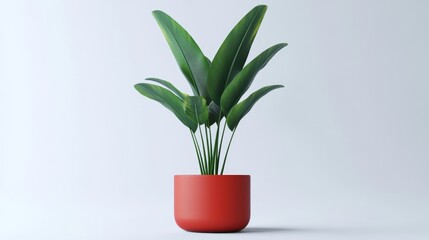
<point x="199" y="175"/>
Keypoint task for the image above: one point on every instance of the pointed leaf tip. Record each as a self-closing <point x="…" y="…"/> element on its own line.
<point x="168" y="85"/>
<point x="242" y="81"/>
<point x="241" y="109"/>
<point x="168" y="100"/>
<point x="192" y="62"/>
<point x="232" y="54"/>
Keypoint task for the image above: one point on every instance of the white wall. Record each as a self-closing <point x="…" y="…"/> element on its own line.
<point x="83" y="155"/>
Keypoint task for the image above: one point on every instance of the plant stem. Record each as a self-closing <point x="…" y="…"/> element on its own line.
<point x="211" y="147"/>
<point x="215" y="156"/>
<point x="221" y="142"/>
<point x="227" y="150"/>
<point x="208" y="150"/>
<point x="216" y="147"/>
<point x="204" y="149"/>
<point x="202" y="139"/>
<point x="198" y="151"/>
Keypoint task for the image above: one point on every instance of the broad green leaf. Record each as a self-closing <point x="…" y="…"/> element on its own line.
<point x="169" y="86"/>
<point x="244" y="78"/>
<point x="232" y="54"/>
<point x="168" y="100"/>
<point x="196" y="108"/>
<point x="241" y="109"/>
<point x="191" y="60"/>
<point x="214" y="112"/>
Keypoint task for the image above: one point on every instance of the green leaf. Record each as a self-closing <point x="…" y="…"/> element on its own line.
<point x="232" y="54"/>
<point x="240" y="110"/>
<point x="196" y="108"/>
<point x="214" y="112"/>
<point x="191" y="60"/>
<point x="208" y="62"/>
<point x="244" y="78"/>
<point x="170" y="86"/>
<point x="168" y="100"/>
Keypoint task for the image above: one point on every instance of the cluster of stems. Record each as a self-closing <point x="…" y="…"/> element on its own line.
<point x="209" y="150"/>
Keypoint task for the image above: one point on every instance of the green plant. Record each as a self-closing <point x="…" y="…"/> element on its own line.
<point x="217" y="85"/>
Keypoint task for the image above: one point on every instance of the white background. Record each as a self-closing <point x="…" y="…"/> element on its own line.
<point x="341" y="152"/>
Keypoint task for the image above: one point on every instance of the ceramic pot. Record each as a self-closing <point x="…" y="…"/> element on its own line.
<point x="212" y="203"/>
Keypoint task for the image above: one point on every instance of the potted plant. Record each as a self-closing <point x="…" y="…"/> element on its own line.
<point x="212" y="201"/>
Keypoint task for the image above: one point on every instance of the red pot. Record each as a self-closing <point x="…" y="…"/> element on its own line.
<point x="212" y="203"/>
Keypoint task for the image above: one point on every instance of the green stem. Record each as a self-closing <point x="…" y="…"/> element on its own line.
<point x="211" y="147"/>
<point x="221" y="142"/>
<point x="227" y="150"/>
<point x="204" y="149"/>
<point x="198" y="151"/>
<point x="216" y="147"/>
<point x="202" y="139"/>
<point x="208" y="150"/>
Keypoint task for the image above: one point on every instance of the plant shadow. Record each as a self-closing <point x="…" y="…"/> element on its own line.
<point x="341" y="230"/>
<point x="275" y="230"/>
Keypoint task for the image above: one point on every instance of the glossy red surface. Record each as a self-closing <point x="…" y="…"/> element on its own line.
<point x="212" y="203"/>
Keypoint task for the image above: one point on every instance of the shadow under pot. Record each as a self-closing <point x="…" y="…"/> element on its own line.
<point x="212" y="203"/>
